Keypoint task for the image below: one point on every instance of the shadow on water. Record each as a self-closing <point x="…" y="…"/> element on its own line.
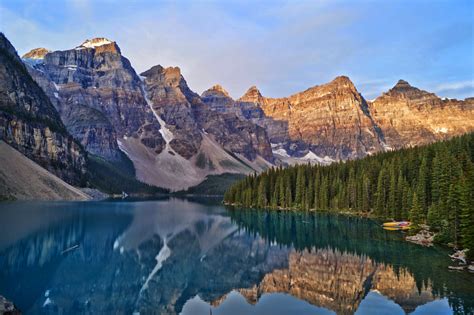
<point x="194" y="257"/>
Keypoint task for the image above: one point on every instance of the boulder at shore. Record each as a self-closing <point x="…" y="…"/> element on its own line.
<point x="7" y="307"/>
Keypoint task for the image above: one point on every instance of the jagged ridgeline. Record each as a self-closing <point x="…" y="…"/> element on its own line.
<point x="431" y="184"/>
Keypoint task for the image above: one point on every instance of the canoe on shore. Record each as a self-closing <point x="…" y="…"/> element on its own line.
<point x="397" y="224"/>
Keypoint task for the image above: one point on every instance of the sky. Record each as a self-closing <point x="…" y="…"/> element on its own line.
<point x="282" y="47"/>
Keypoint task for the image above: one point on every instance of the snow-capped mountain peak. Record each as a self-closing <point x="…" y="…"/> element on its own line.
<point x="95" y="42"/>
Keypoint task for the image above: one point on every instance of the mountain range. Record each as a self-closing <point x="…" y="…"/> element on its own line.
<point x="64" y="108"/>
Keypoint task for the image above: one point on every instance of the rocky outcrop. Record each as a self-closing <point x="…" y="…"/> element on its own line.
<point x="187" y="116"/>
<point x="7" y="307"/>
<point x="169" y="131"/>
<point x="174" y="102"/>
<point x="219" y="99"/>
<point x="409" y="116"/>
<point x="331" y="119"/>
<point x="99" y="97"/>
<point x="334" y="121"/>
<point x="31" y="124"/>
<point x="37" y="53"/>
<point x="158" y="121"/>
<point x="246" y="108"/>
<point x="423" y="237"/>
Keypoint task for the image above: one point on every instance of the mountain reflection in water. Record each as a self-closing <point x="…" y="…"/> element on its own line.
<point x="176" y="256"/>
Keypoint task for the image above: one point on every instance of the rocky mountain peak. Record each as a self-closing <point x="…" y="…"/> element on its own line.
<point x="37" y="53"/>
<point x="8" y="47"/>
<point x="96" y="42"/>
<point x="100" y="44"/>
<point x="403" y="89"/>
<point x="342" y="79"/>
<point x="171" y="76"/>
<point x="252" y="95"/>
<point x="342" y="82"/>
<point x="402" y="86"/>
<point x="30" y="123"/>
<point x="215" y="91"/>
<point x="402" y="83"/>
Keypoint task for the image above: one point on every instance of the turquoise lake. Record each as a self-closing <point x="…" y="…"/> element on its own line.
<point x="193" y="257"/>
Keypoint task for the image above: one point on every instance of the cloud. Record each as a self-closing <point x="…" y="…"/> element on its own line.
<point x="282" y="47"/>
<point x="461" y="89"/>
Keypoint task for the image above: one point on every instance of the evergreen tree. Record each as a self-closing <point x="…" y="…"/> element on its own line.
<point x="433" y="184"/>
<point x="415" y="211"/>
<point x="309" y="195"/>
<point x="422" y="187"/>
<point x="380" y="194"/>
<point x="454" y="204"/>
<point x="300" y="187"/>
<point x="467" y="216"/>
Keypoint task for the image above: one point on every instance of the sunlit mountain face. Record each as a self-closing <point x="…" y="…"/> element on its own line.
<point x="185" y="257"/>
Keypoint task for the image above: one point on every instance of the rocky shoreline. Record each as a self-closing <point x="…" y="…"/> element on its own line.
<point x="462" y="263"/>
<point x="424" y="237"/>
<point x="7" y="307"/>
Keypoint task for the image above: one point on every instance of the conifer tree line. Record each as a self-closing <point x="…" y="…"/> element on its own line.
<point x="432" y="184"/>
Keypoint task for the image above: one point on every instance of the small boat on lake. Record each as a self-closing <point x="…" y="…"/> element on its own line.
<point x="397" y="225"/>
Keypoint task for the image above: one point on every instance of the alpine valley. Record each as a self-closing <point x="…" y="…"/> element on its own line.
<point x="84" y="117"/>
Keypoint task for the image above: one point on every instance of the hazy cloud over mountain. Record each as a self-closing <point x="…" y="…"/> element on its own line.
<point x="282" y="47"/>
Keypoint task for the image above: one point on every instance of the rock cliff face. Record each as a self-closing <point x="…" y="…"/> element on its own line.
<point x="334" y="121"/>
<point x="199" y="140"/>
<point x="188" y="115"/>
<point x="328" y="120"/>
<point x="173" y="138"/>
<point x="218" y="99"/>
<point x="31" y="124"/>
<point x="409" y="116"/>
<point x="176" y="137"/>
<point x="98" y="95"/>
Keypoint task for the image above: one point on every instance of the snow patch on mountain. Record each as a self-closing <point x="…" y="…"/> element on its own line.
<point x="95" y="42"/>
<point x="312" y="157"/>
<point x="165" y="132"/>
<point x="281" y="152"/>
<point x="441" y="130"/>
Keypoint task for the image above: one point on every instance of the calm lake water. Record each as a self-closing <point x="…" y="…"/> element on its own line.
<point x="198" y="257"/>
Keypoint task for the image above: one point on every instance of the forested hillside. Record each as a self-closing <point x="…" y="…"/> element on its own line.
<point x="432" y="184"/>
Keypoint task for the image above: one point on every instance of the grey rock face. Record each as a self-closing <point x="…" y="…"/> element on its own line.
<point x="31" y="124"/>
<point x="248" y="110"/>
<point x="175" y="102"/>
<point x="99" y="97"/>
<point x="7" y="307"/>
<point x="188" y="115"/>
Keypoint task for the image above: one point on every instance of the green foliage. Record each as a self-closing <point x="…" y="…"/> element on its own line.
<point x="415" y="211"/>
<point x="42" y="111"/>
<point x="430" y="184"/>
